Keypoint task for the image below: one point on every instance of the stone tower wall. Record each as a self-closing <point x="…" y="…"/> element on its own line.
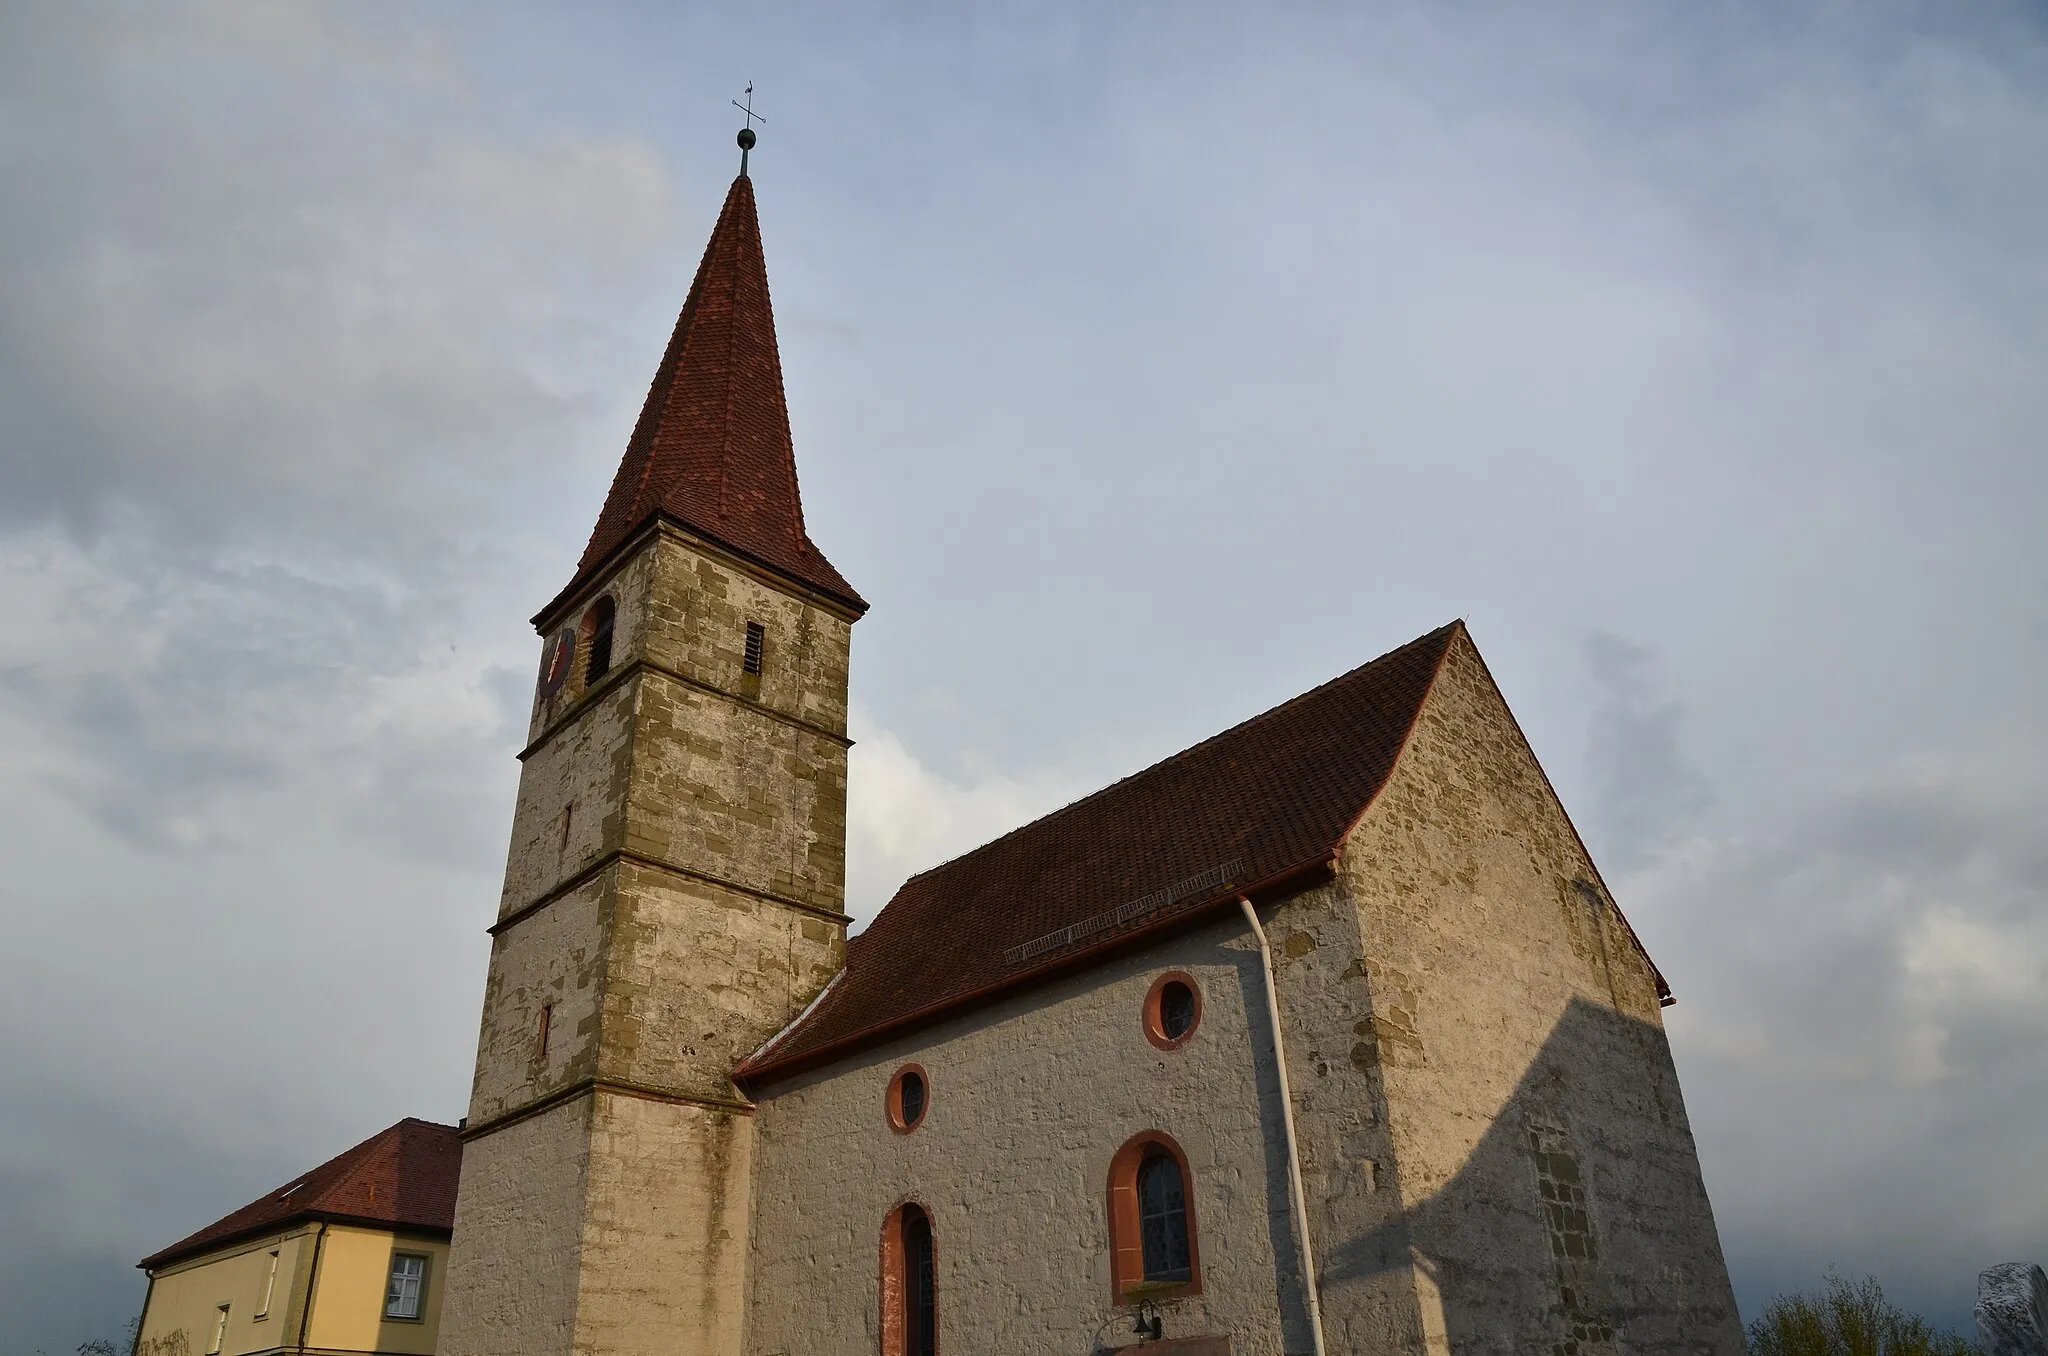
<point x="672" y="897"/>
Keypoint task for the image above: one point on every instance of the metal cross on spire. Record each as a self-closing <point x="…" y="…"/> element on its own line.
<point x="747" y="137"/>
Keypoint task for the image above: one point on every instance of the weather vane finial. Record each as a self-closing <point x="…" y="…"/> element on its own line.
<point x="747" y="137"/>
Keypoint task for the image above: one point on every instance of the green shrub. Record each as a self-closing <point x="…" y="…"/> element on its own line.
<point x="1846" y="1319"/>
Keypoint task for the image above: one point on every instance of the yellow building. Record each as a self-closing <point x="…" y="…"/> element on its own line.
<point x="347" y="1258"/>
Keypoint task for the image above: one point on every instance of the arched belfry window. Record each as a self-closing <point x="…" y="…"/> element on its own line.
<point x="910" y="1299"/>
<point x="597" y="637"/>
<point x="1153" y="1242"/>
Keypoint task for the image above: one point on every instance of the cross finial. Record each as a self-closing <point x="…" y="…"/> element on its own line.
<point x="747" y="137"/>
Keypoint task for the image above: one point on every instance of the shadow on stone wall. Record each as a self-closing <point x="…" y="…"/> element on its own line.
<point x="1578" y="1224"/>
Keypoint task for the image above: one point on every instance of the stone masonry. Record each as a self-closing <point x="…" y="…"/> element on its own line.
<point x="1494" y="1147"/>
<point x="662" y="1156"/>
<point x="673" y="897"/>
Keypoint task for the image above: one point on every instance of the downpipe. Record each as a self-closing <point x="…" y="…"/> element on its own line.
<point x="1300" y="1198"/>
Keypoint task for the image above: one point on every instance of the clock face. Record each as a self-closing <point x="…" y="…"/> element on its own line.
<point x="556" y="671"/>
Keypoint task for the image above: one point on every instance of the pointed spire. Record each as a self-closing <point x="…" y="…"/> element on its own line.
<point x="712" y="448"/>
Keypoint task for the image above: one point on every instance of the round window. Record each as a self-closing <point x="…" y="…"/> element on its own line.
<point x="908" y="1096"/>
<point x="1176" y="1010"/>
<point x="1173" y="1009"/>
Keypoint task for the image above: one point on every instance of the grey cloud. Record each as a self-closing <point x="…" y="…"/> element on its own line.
<point x="1863" y="997"/>
<point x="1646" y="789"/>
<point x="1201" y="357"/>
<point x="321" y="322"/>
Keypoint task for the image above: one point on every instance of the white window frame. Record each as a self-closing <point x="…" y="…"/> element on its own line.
<point x="269" y="1287"/>
<point x="395" y="1296"/>
<point x="220" y="1331"/>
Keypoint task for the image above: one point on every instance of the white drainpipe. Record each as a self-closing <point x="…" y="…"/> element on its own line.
<point x="1308" y="1259"/>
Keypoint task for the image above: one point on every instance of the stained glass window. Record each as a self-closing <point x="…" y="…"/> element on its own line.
<point x="1163" y="1220"/>
<point x="921" y="1332"/>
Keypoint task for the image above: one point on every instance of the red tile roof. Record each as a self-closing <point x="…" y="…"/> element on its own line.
<point x="400" y="1178"/>
<point x="1252" y="806"/>
<point x="712" y="448"/>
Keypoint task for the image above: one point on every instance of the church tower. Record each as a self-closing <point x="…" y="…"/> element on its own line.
<point x="674" y="894"/>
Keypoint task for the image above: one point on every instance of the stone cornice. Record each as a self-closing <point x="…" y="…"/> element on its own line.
<point x="618" y="1088"/>
<point x="604" y="860"/>
<point x="640" y="665"/>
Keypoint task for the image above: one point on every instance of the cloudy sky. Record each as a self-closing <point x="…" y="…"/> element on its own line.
<point x="1148" y="364"/>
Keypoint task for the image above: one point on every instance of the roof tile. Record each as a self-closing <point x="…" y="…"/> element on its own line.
<point x="1268" y="797"/>
<point x="404" y="1177"/>
<point x="712" y="447"/>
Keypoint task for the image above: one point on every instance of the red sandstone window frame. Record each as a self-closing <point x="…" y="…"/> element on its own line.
<point x="1127" y="1281"/>
<point x="1155" y="1027"/>
<point x="895" y="1293"/>
<point x="892" y="1102"/>
<point x="594" y="638"/>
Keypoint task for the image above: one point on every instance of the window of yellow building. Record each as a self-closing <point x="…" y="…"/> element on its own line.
<point x="269" y="1287"/>
<point x="408" y="1285"/>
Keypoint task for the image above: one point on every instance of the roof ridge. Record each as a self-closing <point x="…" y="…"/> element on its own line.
<point x="1177" y="756"/>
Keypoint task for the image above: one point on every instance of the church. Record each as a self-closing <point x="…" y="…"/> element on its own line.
<point x="1321" y="1036"/>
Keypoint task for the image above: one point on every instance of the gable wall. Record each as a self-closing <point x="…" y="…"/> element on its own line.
<point x="1494" y="1144"/>
<point x="1029" y="1102"/>
<point x="1475" y="998"/>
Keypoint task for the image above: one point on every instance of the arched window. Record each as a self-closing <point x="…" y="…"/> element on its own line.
<point x="919" y="1285"/>
<point x="1153" y="1244"/>
<point x="1163" y="1218"/>
<point x="597" y="637"/>
<point x="910" y="1305"/>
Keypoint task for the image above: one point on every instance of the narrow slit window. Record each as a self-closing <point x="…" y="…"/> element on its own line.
<point x="909" y="1283"/>
<point x="920" y="1285"/>
<point x="547" y="1022"/>
<point x="757" y="639"/>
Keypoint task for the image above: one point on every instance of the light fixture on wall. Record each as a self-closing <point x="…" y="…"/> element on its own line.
<point x="1148" y="1324"/>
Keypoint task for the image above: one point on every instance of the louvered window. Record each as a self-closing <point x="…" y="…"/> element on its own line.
<point x="597" y="627"/>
